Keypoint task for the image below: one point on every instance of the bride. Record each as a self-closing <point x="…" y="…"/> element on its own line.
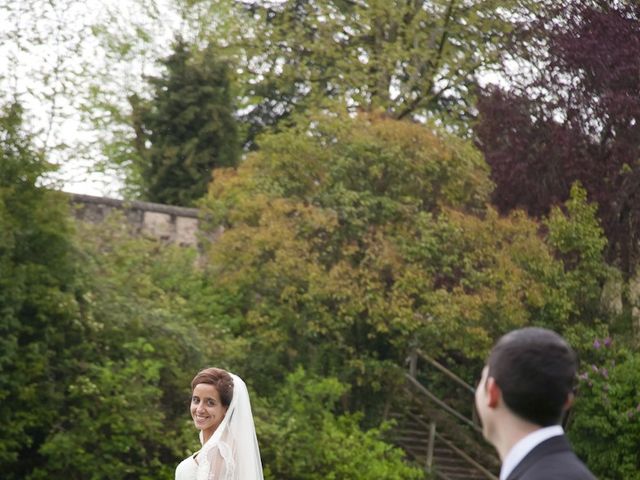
<point x="221" y="410"/>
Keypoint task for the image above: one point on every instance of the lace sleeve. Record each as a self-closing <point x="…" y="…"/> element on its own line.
<point x="221" y="462"/>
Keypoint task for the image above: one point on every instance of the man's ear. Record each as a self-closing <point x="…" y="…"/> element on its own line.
<point x="568" y="403"/>
<point x="494" y="394"/>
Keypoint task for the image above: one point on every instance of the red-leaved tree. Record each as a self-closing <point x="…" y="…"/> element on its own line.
<point x="573" y="116"/>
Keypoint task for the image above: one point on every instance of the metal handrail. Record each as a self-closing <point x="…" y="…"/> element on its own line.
<point x="440" y="403"/>
<point x="446" y="371"/>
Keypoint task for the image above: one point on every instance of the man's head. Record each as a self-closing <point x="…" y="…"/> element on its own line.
<point x="531" y="373"/>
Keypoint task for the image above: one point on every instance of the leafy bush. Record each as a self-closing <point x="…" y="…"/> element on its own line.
<point x="302" y="437"/>
<point x="605" y="429"/>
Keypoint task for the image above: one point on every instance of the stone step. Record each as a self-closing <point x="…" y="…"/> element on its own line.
<point x="412" y="434"/>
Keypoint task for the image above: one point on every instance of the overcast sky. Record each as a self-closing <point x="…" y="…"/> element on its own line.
<point x="45" y="45"/>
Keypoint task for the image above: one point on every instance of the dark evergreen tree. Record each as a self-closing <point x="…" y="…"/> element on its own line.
<point x="187" y="128"/>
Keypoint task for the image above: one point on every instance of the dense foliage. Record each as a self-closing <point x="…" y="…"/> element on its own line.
<point x="39" y="334"/>
<point x="347" y="239"/>
<point x="151" y="322"/>
<point x="101" y="335"/>
<point x="96" y="339"/>
<point x="97" y="344"/>
<point x="123" y="414"/>
<point x="608" y="412"/>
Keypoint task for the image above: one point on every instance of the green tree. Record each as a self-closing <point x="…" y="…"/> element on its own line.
<point x="348" y="239"/>
<point x="579" y="242"/>
<point x="187" y="128"/>
<point x="411" y="59"/>
<point x="40" y="335"/>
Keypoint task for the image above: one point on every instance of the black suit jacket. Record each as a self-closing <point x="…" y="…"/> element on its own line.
<point x="553" y="459"/>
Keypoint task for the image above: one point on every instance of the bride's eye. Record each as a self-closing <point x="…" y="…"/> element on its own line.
<point x="194" y="399"/>
<point x="211" y="403"/>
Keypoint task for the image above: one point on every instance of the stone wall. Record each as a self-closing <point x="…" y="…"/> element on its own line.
<point x="164" y="222"/>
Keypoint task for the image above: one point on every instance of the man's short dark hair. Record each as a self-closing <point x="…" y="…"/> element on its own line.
<point x="535" y="369"/>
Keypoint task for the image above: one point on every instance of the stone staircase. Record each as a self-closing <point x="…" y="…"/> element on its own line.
<point x="438" y="433"/>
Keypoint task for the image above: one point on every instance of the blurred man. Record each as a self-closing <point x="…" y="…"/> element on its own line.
<point x="525" y="389"/>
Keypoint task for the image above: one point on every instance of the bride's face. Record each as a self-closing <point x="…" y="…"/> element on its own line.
<point x="207" y="410"/>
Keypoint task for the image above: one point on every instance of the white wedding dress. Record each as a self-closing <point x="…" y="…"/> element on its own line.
<point x="232" y="452"/>
<point x="188" y="469"/>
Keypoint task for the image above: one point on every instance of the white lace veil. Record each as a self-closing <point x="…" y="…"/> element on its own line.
<point x="232" y="452"/>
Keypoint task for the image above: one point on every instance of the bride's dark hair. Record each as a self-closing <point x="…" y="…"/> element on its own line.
<point x="220" y="379"/>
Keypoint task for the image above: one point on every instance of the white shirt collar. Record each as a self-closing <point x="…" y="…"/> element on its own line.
<point x="525" y="445"/>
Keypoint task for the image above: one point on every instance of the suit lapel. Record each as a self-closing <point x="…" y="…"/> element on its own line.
<point x="555" y="444"/>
